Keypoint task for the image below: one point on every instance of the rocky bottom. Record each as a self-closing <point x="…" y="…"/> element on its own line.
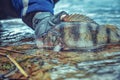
<point x="49" y="65"/>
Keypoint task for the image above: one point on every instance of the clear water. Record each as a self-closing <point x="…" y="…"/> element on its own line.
<point x="103" y="12"/>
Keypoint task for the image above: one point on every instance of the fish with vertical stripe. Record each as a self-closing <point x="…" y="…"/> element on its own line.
<point x="80" y="33"/>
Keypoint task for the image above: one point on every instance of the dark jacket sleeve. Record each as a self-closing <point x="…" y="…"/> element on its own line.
<point x="27" y="6"/>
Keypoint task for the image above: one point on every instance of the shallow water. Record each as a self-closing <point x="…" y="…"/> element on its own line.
<point x="102" y="11"/>
<point x="14" y="31"/>
<point x="90" y="70"/>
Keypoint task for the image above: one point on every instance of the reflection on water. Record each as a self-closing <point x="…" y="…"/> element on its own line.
<point x="102" y="11"/>
<point x="99" y="71"/>
<point x="104" y="69"/>
<point x="13" y="31"/>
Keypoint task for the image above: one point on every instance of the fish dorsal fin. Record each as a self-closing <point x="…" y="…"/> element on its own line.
<point x="78" y="18"/>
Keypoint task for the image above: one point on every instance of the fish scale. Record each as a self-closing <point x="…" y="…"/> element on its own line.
<point x="108" y="34"/>
<point x="77" y="34"/>
<point x="80" y="32"/>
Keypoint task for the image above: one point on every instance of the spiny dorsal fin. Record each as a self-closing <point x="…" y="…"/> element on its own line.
<point x="78" y="18"/>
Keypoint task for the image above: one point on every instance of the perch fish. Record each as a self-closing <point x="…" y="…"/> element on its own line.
<point x="80" y="33"/>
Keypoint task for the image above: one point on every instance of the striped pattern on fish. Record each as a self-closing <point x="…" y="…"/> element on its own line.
<point x="79" y="32"/>
<point x="108" y="34"/>
<point x="82" y="35"/>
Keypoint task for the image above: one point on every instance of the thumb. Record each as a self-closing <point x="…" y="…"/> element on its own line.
<point x="58" y="17"/>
